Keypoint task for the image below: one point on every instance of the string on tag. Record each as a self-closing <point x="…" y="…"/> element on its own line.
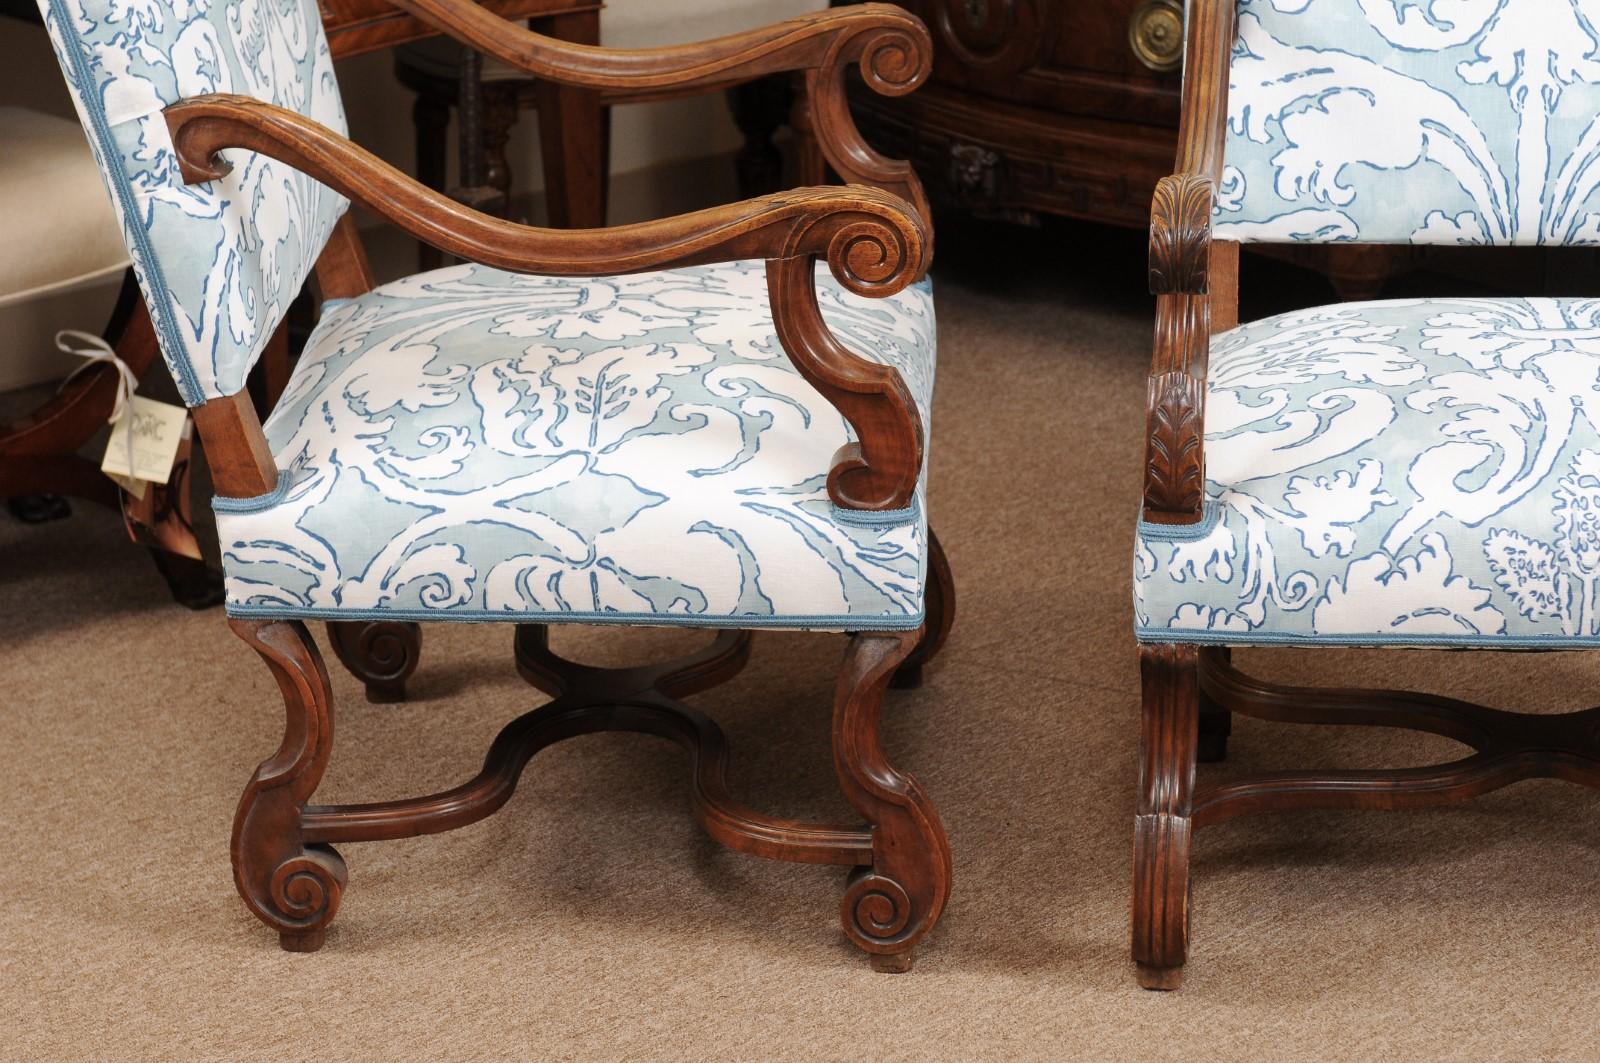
<point x="98" y="352"/>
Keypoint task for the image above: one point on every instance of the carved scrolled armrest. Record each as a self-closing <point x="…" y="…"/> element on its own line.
<point x="1180" y="255"/>
<point x="1180" y="274"/>
<point x="1180" y="235"/>
<point x="892" y="48"/>
<point x="872" y="240"/>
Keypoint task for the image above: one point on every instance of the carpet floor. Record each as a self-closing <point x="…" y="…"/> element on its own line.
<point x="591" y="918"/>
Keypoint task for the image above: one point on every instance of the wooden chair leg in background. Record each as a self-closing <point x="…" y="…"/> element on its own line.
<point x="1168" y="740"/>
<point x="811" y="169"/>
<point x="759" y="109"/>
<point x="291" y="886"/>
<point x="1216" y="719"/>
<point x="573" y="134"/>
<point x="380" y="653"/>
<point x="941" y="614"/>
<point x="891" y="905"/>
<point x="39" y="453"/>
<point x="430" y="114"/>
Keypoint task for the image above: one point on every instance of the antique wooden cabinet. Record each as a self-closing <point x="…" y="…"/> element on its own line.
<point x="1041" y="106"/>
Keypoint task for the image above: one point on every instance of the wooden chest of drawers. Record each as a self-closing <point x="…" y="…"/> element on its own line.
<point x="1041" y="106"/>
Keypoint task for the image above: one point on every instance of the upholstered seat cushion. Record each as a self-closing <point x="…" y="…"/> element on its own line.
<point x="470" y="444"/>
<point x="1417" y="472"/>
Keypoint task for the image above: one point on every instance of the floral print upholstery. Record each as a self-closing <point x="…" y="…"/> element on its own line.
<point x="1411" y="472"/>
<point x="218" y="262"/>
<point x="1414" y="121"/>
<point x="471" y="444"/>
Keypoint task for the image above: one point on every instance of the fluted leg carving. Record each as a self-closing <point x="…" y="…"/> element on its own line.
<point x="940" y="612"/>
<point x="893" y="904"/>
<point x="1168" y="738"/>
<point x="291" y="886"/>
<point x="380" y="653"/>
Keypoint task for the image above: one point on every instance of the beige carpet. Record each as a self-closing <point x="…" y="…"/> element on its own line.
<point x="592" y="920"/>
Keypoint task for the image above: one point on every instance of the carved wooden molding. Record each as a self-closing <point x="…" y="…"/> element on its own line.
<point x="1174" y="483"/>
<point x="1180" y="235"/>
<point x="1180" y="275"/>
<point x="1174" y="479"/>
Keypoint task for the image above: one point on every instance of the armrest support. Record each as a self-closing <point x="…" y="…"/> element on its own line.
<point x="1181" y="250"/>
<point x="873" y="242"/>
<point x="892" y="47"/>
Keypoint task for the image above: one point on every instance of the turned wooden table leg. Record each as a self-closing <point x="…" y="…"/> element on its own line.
<point x="1168" y="736"/>
<point x="940" y="609"/>
<point x="293" y="887"/>
<point x="893" y="904"/>
<point x="380" y="653"/>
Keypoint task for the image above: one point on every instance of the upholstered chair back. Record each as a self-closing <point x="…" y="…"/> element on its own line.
<point x="1413" y="121"/>
<point x="219" y="262"/>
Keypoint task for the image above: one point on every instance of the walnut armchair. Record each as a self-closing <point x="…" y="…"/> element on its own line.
<point x="1404" y="473"/>
<point x="682" y="422"/>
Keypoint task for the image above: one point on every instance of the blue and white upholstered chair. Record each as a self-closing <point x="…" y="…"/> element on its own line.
<point x="683" y="422"/>
<point x="1418" y="473"/>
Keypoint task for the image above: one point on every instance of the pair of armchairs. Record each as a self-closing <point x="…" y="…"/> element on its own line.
<point x="649" y="425"/>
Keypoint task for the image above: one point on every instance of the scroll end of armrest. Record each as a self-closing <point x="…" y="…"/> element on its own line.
<point x="894" y="46"/>
<point x="1180" y="235"/>
<point x="194" y="138"/>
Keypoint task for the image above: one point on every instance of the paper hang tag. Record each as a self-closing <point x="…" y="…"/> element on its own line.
<point x="144" y="442"/>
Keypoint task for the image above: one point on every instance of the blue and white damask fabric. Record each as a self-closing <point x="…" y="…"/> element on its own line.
<point x="1414" y="121"/>
<point x="1419" y="473"/>
<point x="219" y="262"/>
<point x="470" y="444"/>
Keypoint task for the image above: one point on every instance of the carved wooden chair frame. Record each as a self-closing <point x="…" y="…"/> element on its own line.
<point x="875" y="237"/>
<point x="1191" y="692"/>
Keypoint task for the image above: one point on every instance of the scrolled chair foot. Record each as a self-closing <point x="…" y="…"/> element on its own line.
<point x="893" y="904"/>
<point x="877" y="914"/>
<point x="293" y="887"/>
<point x="380" y="653"/>
<point x="305" y="894"/>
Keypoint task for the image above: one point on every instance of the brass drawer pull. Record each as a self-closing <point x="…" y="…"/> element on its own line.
<point x="1155" y="33"/>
